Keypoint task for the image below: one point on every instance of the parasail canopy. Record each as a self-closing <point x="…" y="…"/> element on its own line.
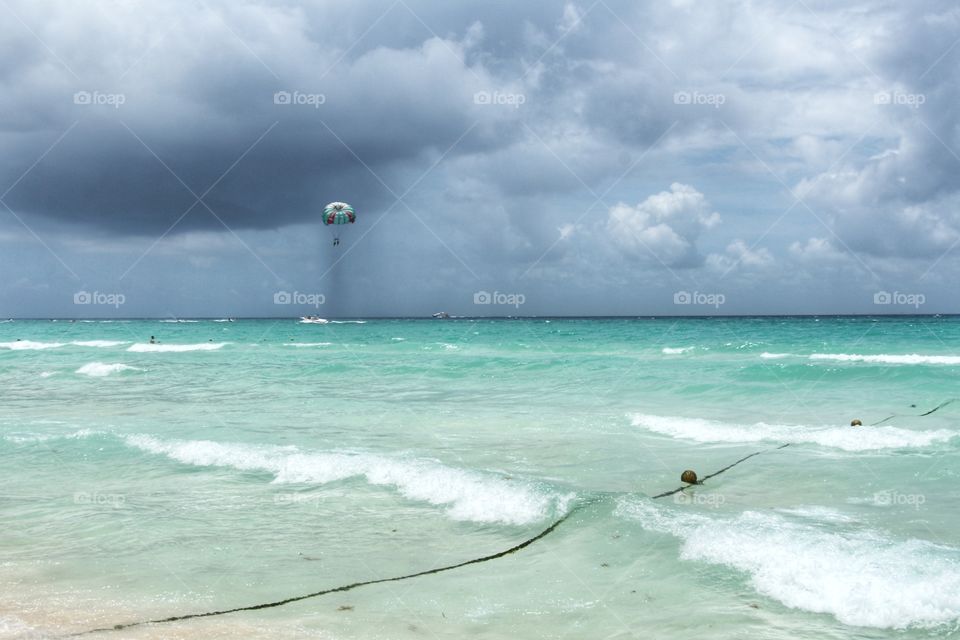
<point x="338" y="213"/>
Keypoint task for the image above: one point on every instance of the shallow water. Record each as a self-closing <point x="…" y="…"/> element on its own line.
<point x="250" y="461"/>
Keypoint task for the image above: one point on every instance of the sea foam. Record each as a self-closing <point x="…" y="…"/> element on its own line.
<point x="839" y="437"/>
<point x="101" y="369"/>
<point x="145" y="347"/>
<point x="467" y="495"/>
<point x="672" y="351"/>
<point x="30" y="345"/>
<point x="884" y="358"/>
<point x="861" y="577"/>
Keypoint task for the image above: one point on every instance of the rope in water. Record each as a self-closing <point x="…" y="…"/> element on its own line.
<point x="526" y="543"/>
<point x="784" y="446"/>
<point x="916" y="415"/>
<point x="349" y="587"/>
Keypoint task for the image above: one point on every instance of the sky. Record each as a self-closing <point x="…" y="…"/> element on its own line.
<point x="601" y="157"/>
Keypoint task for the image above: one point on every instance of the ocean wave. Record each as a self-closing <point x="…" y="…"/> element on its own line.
<point x="884" y="358"/>
<point x="98" y="343"/>
<point x="145" y="347"/>
<point x="467" y="495"/>
<point x="101" y="369"/>
<point x="307" y="344"/>
<point x="861" y="577"/>
<point x="37" y="437"/>
<point x="839" y="437"/>
<point x="30" y="345"/>
<point x="173" y="320"/>
<point x="774" y="356"/>
<point x="348" y="322"/>
<point x="672" y="351"/>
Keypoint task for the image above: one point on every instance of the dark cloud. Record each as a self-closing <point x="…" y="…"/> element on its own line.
<point x="571" y="149"/>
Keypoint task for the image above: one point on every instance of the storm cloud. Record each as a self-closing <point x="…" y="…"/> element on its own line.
<point x="597" y="157"/>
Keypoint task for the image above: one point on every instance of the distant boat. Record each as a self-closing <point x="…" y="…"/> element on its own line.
<point x="313" y="320"/>
<point x="441" y="315"/>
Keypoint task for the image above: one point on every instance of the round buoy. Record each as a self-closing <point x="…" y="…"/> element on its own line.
<point x="689" y="476"/>
<point x="856" y="423"/>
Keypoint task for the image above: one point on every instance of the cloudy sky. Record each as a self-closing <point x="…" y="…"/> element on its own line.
<point x="584" y="158"/>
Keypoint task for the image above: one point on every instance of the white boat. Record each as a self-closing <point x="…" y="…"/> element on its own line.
<point x="313" y="320"/>
<point x="441" y="315"/>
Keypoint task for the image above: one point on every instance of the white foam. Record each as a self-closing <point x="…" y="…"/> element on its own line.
<point x="818" y="513"/>
<point x="29" y="345"/>
<point x="101" y="369"/>
<point x="47" y="374"/>
<point x="861" y="577"/>
<point x="348" y="322"/>
<point x="884" y="358"/>
<point x="672" y="351"/>
<point x="774" y="356"/>
<point x="468" y="495"/>
<point x="841" y="437"/>
<point x="307" y="344"/>
<point x="144" y="347"/>
<point x="99" y="343"/>
<point x="179" y="320"/>
<point x="35" y="437"/>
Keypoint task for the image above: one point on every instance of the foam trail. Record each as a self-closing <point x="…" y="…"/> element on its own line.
<point x="101" y="369"/>
<point x="774" y="356"/>
<point x="30" y="345"/>
<point x="840" y="437"/>
<point x="98" y="343"/>
<point x="468" y="495"/>
<point x="671" y="351"/>
<point x="861" y="577"/>
<point x="307" y="344"/>
<point x="144" y="347"/>
<point x="884" y="358"/>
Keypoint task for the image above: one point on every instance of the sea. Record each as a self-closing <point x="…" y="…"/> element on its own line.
<point x="230" y="464"/>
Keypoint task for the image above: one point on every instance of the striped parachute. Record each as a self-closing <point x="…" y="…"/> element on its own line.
<point x="338" y="213"/>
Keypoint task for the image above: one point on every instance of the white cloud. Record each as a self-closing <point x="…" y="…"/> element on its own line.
<point x="665" y="226"/>
<point x="739" y="255"/>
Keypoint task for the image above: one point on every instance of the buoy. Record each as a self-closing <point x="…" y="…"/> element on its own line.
<point x="689" y="476"/>
<point x="856" y="423"/>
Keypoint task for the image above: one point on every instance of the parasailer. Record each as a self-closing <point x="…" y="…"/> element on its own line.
<point x="337" y="213"/>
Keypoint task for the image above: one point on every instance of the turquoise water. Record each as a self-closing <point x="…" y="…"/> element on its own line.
<point x="243" y="462"/>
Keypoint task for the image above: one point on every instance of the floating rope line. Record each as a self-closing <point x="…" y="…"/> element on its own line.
<point x="716" y="473"/>
<point x="526" y="543"/>
<point x="784" y="446"/>
<point x="348" y="587"/>
<point x="916" y="415"/>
